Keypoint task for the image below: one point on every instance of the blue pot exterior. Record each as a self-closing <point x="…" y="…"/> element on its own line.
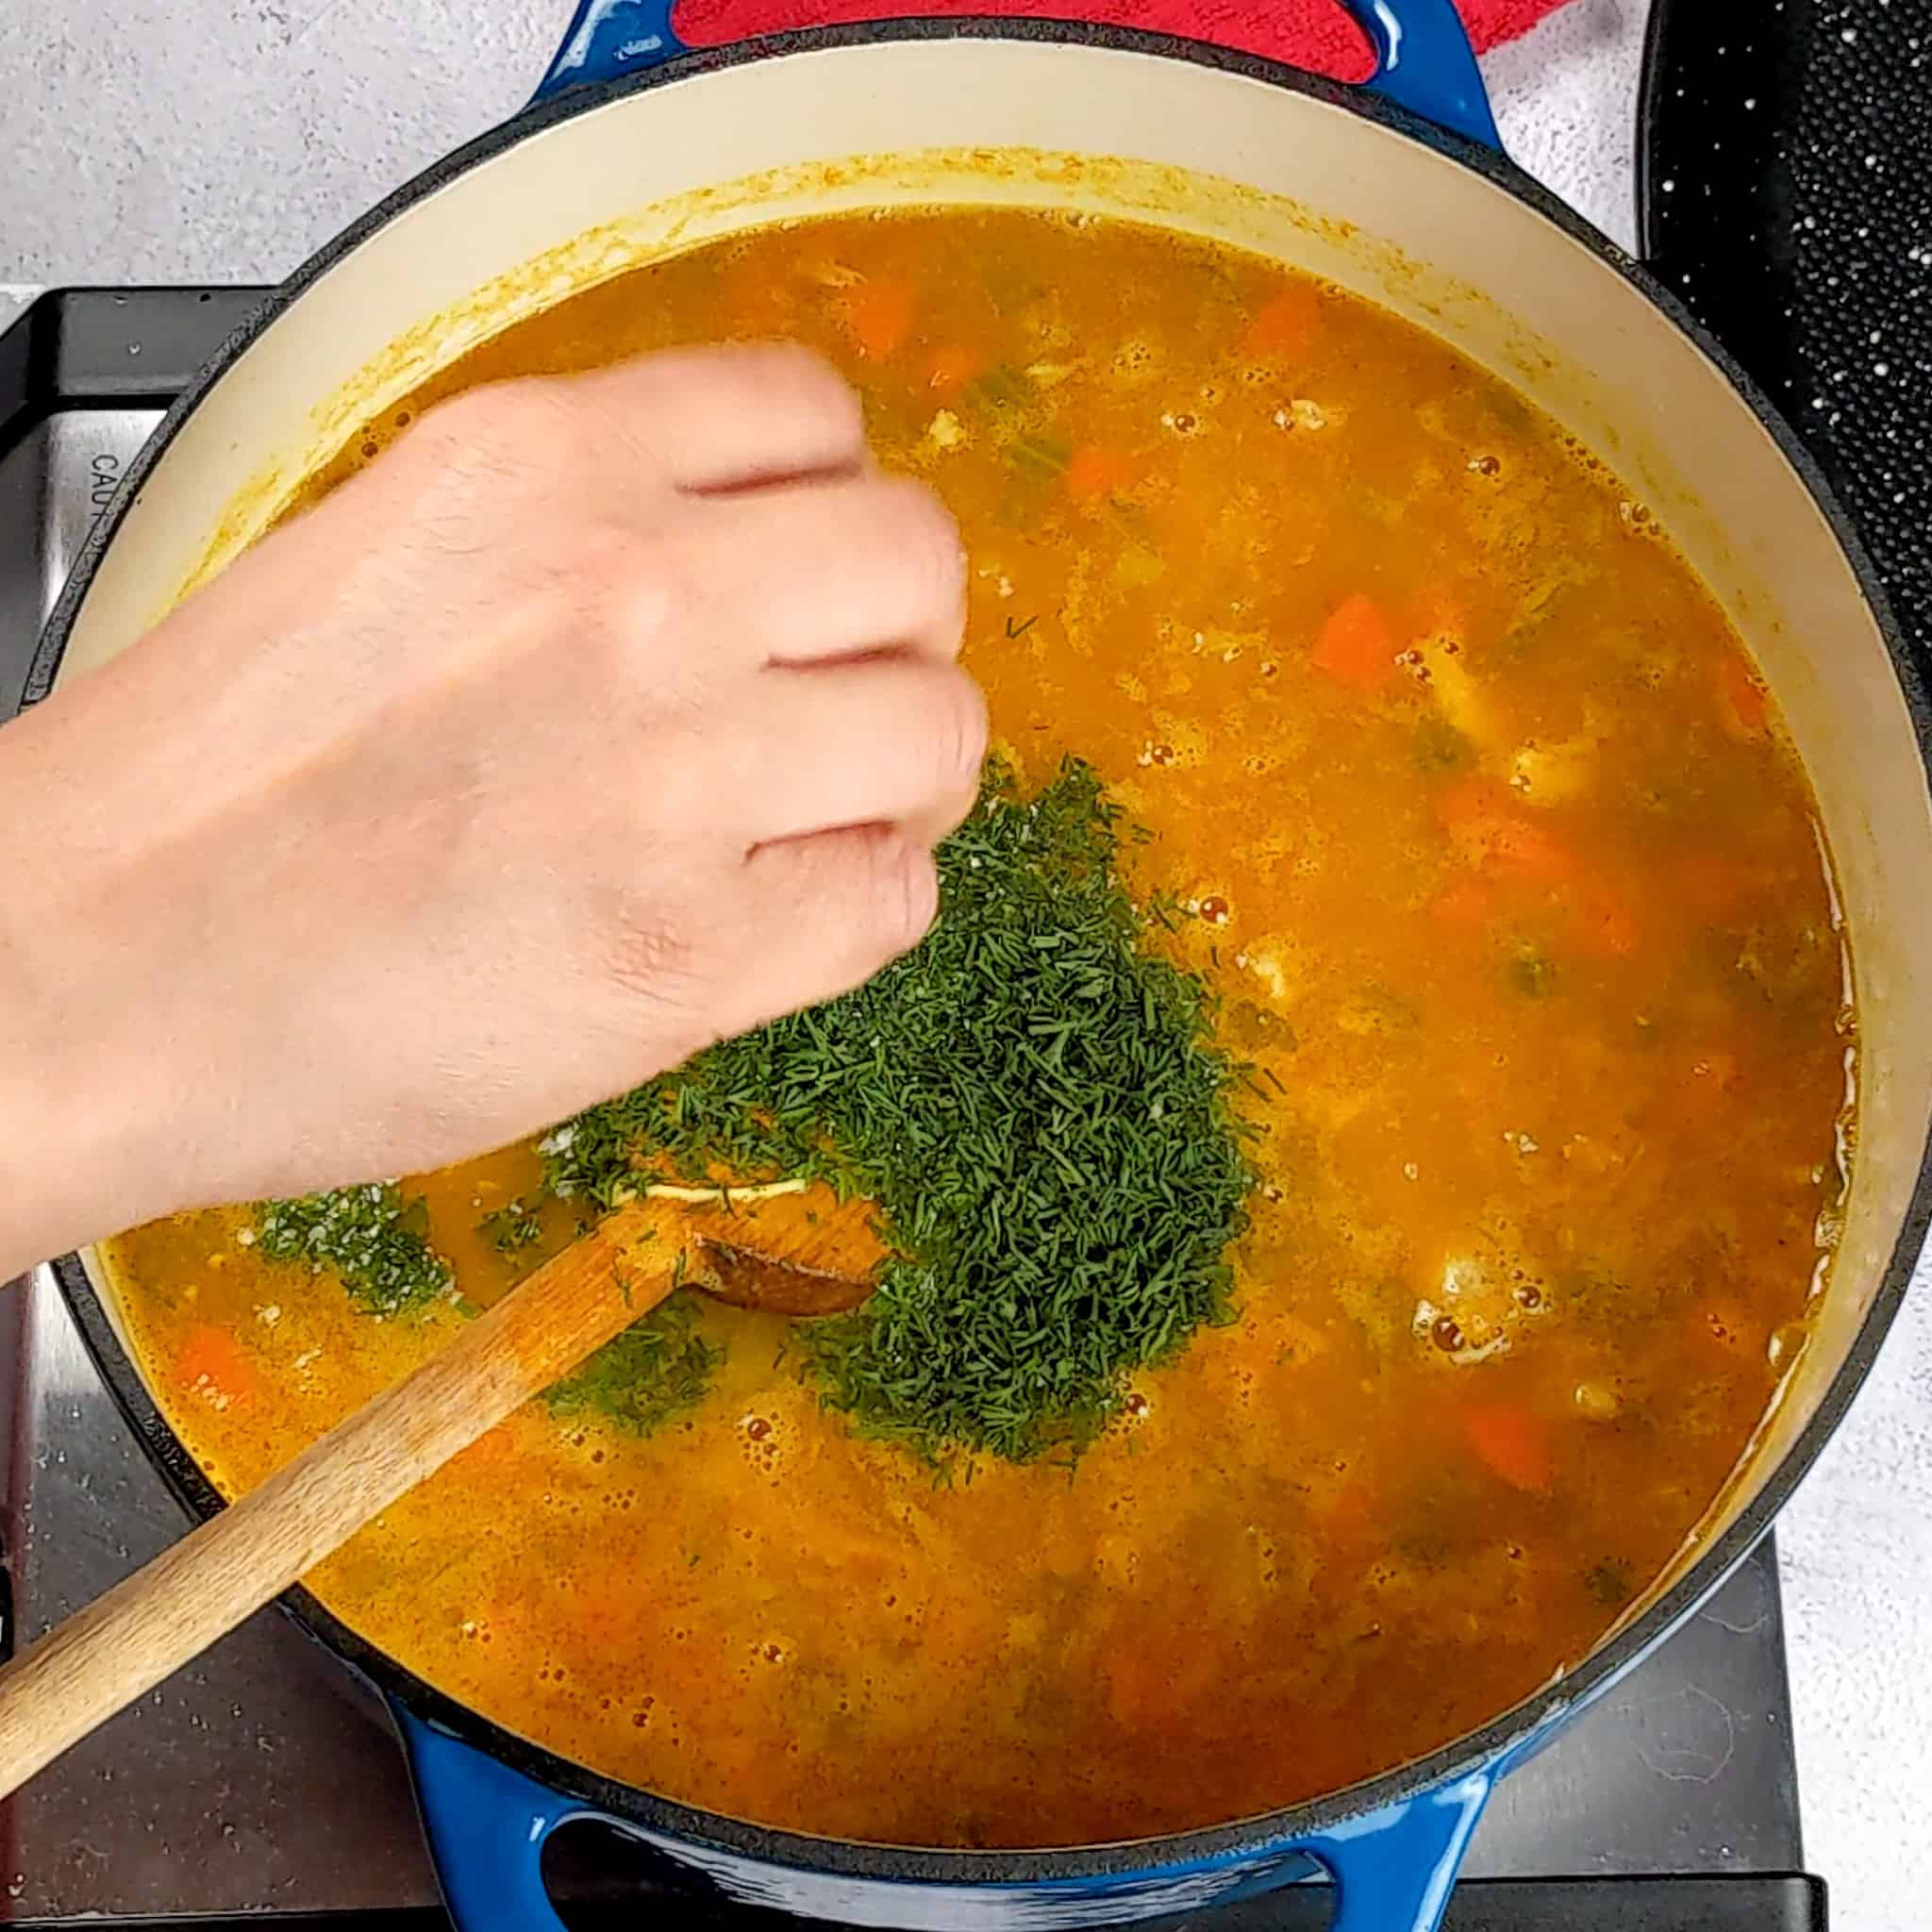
<point x="487" y="1825"/>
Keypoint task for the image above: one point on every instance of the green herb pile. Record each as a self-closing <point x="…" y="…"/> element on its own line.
<point x="376" y="1239"/>
<point x="1033" y="1099"/>
<point x="1035" y="1102"/>
<point x="659" y="1368"/>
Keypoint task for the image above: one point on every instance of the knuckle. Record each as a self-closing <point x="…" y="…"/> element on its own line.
<point x="899" y="885"/>
<point x="955" y="733"/>
<point x="921" y="532"/>
<point x="804" y="383"/>
<point x="743" y="385"/>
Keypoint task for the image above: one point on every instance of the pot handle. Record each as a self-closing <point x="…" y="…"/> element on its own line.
<point x="1394" y="1869"/>
<point x="486" y="1823"/>
<point x="1423" y="61"/>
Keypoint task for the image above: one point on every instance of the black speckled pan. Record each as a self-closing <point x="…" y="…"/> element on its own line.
<point x="1786" y="156"/>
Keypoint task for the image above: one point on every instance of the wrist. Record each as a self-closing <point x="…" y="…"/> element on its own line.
<point x="83" y="1144"/>
<point x="54" y="1167"/>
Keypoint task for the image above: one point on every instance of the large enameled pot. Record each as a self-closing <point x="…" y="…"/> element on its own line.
<point x="1398" y="191"/>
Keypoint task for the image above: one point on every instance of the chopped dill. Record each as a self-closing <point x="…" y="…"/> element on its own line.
<point x="658" y="1369"/>
<point x="373" y="1237"/>
<point x="513" y="1227"/>
<point x="1035" y="1104"/>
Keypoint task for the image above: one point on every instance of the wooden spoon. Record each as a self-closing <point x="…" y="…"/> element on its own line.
<point x="793" y="1252"/>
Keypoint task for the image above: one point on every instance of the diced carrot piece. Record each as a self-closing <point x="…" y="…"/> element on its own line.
<point x="1356" y="647"/>
<point x="1518" y="844"/>
<point x="954" y="365"/>
<point x="1287" y="324"/>
<point x="1512" y="1442"/>
<point x="1743" y="704"/>
<point x="880" y="314"/>
<point x="212" y="1365"/>
<point x="1463" y="907"/>
<point x="1490" y="831"/>
<point x="1093" y="472"/>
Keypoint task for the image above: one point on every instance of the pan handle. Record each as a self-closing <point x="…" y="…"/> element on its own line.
<point x="1392" y="1869"/>
<point x="1423" y="61"/>
<point x="607" y="37"/>
<point x="486" y="1825"/>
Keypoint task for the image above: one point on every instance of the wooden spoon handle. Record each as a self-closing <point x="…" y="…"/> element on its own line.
<point x="170" y="1611"/>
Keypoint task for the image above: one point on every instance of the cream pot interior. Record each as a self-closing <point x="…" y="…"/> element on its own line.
<point x="1299" y="176"/>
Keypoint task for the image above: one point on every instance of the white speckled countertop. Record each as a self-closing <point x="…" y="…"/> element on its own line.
<point x="148" y="142"/>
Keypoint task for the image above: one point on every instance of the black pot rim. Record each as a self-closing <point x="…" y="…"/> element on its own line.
<point x="1214" y="1844"/>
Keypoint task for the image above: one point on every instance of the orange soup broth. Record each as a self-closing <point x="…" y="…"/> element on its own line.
<point x="1511" y="889"/>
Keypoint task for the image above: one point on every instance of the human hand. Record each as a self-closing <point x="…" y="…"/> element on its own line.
<point x="601" y="717"/>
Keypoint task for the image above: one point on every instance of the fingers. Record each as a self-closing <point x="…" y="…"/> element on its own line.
<point x="728" y="418"/>
<point x="878" y="741"/>
<point x="831" y="569"/>
<point x="822" y="915"/>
